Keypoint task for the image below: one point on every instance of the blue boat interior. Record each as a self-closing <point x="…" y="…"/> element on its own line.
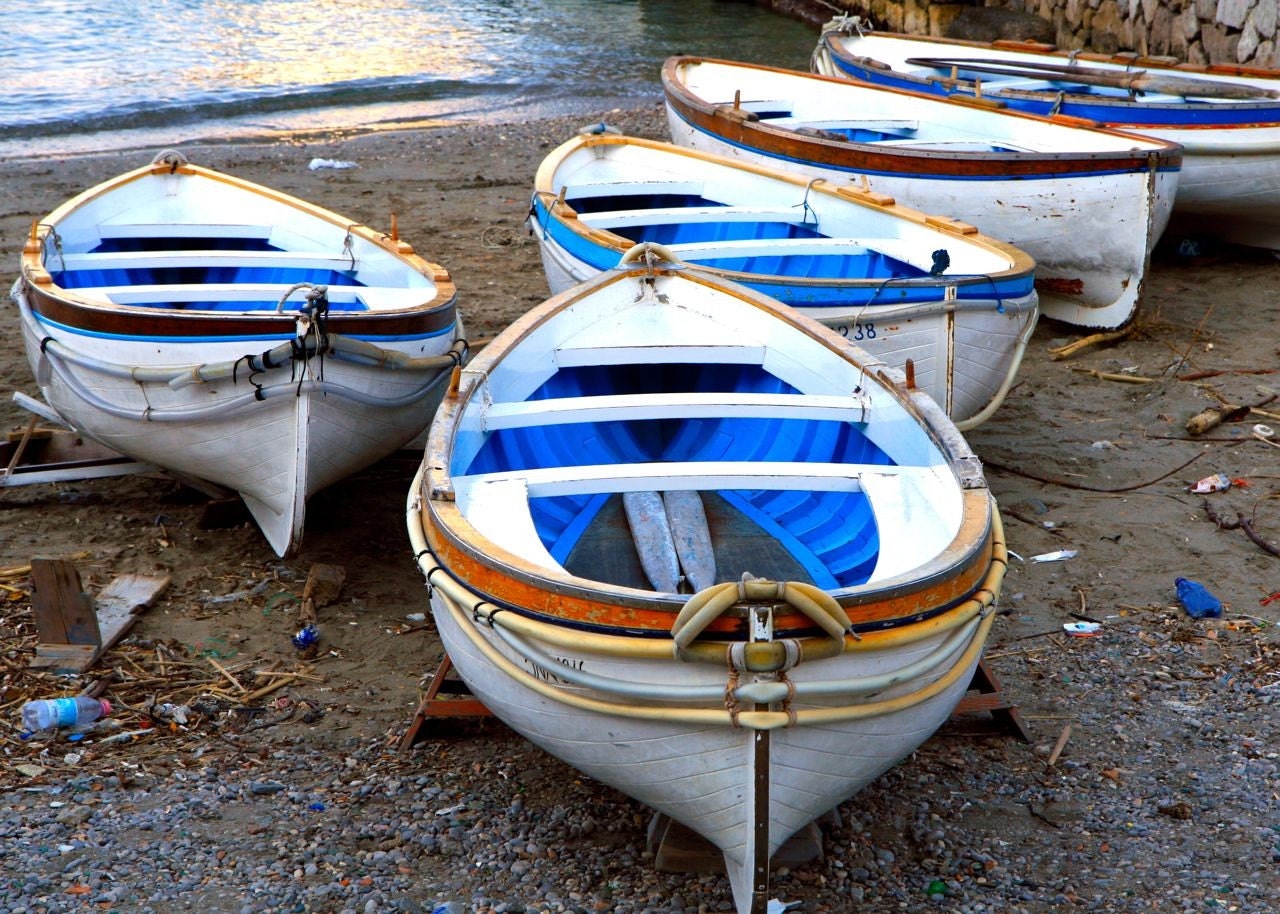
<point x="865" y="264"/>
<point x="853" y="130"/>
<point x="96" y="270"/>
<point x="828" y="538"/>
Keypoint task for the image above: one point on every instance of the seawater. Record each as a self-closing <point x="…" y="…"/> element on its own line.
<point x="86" y="75"/>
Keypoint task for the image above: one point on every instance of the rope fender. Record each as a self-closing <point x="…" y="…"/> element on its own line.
<point x="712" y="602"/>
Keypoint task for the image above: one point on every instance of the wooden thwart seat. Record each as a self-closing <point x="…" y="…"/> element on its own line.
<point x="879" y="126"/>
<point x="613" y="219"/>
<point x="697" y="474"/>
<point x="182" y="230"/>
<point x="772" y="247"/>
<point x="132" y="260"/>
<point x="631" y="407"/>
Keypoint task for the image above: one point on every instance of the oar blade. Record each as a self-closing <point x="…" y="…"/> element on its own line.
<point x="688" y="520"/>
<point x="655" y="545"/>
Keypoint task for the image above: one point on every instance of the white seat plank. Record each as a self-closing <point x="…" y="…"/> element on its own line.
<point x="372" y="297"/>
<point x="566" y="410"/>
<point x="689" y="214"/>
<point x="182" y="230"/>
<point x="880" y="126"/>
<point x="124" y="260"/>
<point x="624" y="188"/>
<point x="771" y="247"/>
<point x="568" y="356"/>
<point x="700" y="474"/>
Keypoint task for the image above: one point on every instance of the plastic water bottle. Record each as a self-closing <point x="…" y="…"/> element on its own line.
<point x="63" y="712"/>
<point x="1196" y="599"/>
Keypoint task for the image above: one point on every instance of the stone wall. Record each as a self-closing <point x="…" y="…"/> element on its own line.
<point x="1199" y="31"/>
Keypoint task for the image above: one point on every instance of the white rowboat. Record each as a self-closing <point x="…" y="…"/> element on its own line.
<point x="1087" y="204"/>
<point x="1226" y="118"/>
<point x="906" y="286"/>
<point x="229" y="333"/>
<point x="614" y="491"/>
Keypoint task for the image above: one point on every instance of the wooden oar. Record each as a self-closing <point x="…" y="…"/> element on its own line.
<point x="688" y="520"/>
<point x="1128" y="80"/>
<point x="647" y="517"/>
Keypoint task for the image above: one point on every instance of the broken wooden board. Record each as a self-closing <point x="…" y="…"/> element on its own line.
<point x="75" y="630"/>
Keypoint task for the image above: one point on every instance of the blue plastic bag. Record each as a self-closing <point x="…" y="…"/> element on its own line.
<point x="1196" y="599"/>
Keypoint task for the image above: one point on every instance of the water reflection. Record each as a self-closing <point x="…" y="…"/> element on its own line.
<point x="229" y="65"/>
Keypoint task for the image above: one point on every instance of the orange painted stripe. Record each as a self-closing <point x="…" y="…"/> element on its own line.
<point x="505" y="589"/>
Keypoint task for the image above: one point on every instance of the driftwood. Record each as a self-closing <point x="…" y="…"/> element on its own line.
<point x="1211" y="418"/>
<point x="1240" y="523"/>
<point x="1058" y="353"/>
<point x="1205" y="375"/>
<point x="1051" y="480"/>
<point x="1113" y="376"/>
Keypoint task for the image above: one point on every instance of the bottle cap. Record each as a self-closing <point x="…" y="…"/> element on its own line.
<point x="106" y="707"/>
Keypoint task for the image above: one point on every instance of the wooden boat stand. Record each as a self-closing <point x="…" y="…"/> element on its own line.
<point x="54" y="453"/>
<point x="447" y="697"/>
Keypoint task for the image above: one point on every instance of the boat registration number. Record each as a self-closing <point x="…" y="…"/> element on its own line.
<point x="858" y="331"/>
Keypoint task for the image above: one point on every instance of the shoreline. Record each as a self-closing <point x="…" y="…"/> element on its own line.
<point x="1157" y="800"/>
<point x="341" y="130"/>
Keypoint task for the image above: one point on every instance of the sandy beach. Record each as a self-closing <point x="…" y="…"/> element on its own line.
<point x="1151" y="779"/>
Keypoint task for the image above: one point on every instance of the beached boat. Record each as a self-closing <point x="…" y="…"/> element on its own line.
<point x="232" y="334"/>
<point x="1227" y="118"/>
<point x="902" y="284"/>
<point x="1087" y="204"/>
<point x="613" y="494"/>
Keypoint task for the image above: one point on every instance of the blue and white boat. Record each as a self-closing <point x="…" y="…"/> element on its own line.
<point x="705" y="551"/>
<point x="957" y="305"/>
<point x="1226" y="118"/>
<point x="232" y="334"/>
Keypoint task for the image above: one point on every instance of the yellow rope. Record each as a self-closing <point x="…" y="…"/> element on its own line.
<point x="755" y="720"/>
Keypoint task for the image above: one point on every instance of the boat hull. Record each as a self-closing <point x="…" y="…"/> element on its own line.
<point x="705" y="776"/>
<point x="1230" y="183"/>
<point x="275" y="437"/>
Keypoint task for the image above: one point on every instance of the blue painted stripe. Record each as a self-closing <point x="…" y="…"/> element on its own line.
<point x="1112" y="111"/>
<point x="874" y="290"/>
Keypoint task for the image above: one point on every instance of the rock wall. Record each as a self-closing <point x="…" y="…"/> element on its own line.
<point x="1199" y="31"/>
